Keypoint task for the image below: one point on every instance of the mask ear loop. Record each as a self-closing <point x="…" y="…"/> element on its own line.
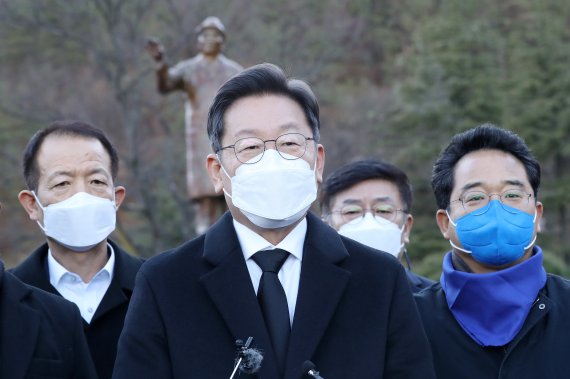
<point x="450" y="241"/>
<point x="114" y="201"/>
<point x="225" y="173"/>
<point x="407" y="259"/>
<point x="402" y="244"/>
<point x="536" y="235"/>
<point x="42" y="208"/>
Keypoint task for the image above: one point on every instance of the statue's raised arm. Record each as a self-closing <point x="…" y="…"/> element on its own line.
<point x="199" y="77"/>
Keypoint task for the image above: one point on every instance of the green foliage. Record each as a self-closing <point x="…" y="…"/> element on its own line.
<point x="555" y="265"/>
<point x="395" y="79"/>
<point x="430" y="266"/>
<point x="493" y="62"/>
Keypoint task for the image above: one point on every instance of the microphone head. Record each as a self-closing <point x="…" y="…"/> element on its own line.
<point x="308" y="366"/>
<point x="251" y="361"/>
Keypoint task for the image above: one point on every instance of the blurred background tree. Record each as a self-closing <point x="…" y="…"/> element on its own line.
<point x="395" y="80"/>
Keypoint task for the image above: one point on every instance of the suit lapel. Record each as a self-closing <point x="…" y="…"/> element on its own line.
<point x="229" y="286"/>
<point x="121" y="286"/>
<point x="34" y="270"/>
<point x="114" y="296"/>
<point x="19" y="329"/>
<point x="321" y="287"/>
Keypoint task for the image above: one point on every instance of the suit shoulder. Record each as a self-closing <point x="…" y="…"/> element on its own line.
<point x="558" y="288"/>
<point x="126" y="258"/>
<point x="37" y="298"/>
<point x="365" y="253"/>
<point x="371" y="265"/>
<point x="177" y="258"/>
<point x="418" y="282"/>
<point x="428" y="296"/>
<point x="32" y="262"/>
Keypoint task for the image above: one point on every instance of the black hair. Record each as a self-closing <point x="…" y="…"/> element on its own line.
<point x="486" y="136"/>
<point x="359" y="171"/>
<point x="262" y="79"/>
<point x="63" y="128"/>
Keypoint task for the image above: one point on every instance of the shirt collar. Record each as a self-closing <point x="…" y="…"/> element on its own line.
<point x="252" y="242"/>
<point x="57" y="271"/>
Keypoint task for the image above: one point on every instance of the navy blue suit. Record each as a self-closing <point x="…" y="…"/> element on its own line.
<point x="418" y="282"/>
<point x="354" y="317"/>
<point x="40" y="334"/>
<point x="105" y="327"/>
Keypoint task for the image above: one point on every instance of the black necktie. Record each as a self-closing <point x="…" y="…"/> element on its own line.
<point x="273" y="301"/>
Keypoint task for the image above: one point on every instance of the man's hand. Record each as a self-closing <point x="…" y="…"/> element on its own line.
<point x="155" y="48"/>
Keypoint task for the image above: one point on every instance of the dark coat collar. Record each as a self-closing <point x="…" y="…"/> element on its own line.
<point x="34" y="271"/>
<point x="321" y="286"/>
<point x="221" y="239"/>
<point x="19" y="324"/>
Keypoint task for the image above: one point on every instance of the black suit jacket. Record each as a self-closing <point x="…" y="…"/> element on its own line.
<point x="105" y="328"/>
<point x="354" y="316"/>
<point x="40" y="334"/>
<point x="418" y="282"/>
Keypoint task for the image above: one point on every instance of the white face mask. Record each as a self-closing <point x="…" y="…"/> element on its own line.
<point x="79" y="222"/>
<point x="274" y="192"/>
<point x="375" y="232"/>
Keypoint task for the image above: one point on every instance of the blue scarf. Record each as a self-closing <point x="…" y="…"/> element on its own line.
<point x="491" y="308"/>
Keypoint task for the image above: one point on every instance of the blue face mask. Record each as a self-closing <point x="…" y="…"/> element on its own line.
<point x="496" y="234"/>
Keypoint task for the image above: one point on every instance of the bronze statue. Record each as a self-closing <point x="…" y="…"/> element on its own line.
<point x="200" y="77"/>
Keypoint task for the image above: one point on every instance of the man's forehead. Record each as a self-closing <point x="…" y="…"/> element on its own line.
<point x="71" y="149"/>
<point x="264" y="116"/>
<point x="373" y="189"/>
<point x="488" y="167"/>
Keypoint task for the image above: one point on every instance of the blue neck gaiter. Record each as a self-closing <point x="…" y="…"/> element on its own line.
<point x="491" y="308"/>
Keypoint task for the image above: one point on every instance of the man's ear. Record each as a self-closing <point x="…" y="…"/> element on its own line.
<point x="539" y="210"/>
<point x="442" y="219"/>
<point x="407" y="229"/>
<point x="215" y="172"/>
<point x="120" y="193"/>
<point x="320" y="163"/>
<point x="30" y="205"/>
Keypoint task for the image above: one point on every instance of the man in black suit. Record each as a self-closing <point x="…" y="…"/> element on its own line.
<point x="370" y="201"/>
<point x="70" y="169"/>
<point x="327" y="299"/>
<point x="40" y="334"/>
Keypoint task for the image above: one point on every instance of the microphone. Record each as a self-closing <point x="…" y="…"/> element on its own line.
<point x="248" y="359"/>
<point x="310" y="369"/>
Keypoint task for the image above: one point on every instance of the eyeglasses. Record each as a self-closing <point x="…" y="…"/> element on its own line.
<point x="385" y="211"/>
<point x="250" y="150"/>
<point x="474" y="200"/>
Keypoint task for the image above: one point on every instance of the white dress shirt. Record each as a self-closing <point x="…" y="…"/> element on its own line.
<point x="290" y="272"/>
<point x="86" y="296"/>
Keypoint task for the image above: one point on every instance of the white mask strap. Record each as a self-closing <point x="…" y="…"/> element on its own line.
<point x="531" y="243"/>
<point x="450" y="219"/>
<point x="41" y="207"/>
<point x="225" y="173"/>
<point x="114" y="199"/>
<point x="450" y="241"/>
<point x="38" y="200"/>
<point x="459" y="248"/>
<point x="222" y="166"/>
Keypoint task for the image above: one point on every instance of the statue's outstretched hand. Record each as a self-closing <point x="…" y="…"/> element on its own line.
<point x="155" y="48"/>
